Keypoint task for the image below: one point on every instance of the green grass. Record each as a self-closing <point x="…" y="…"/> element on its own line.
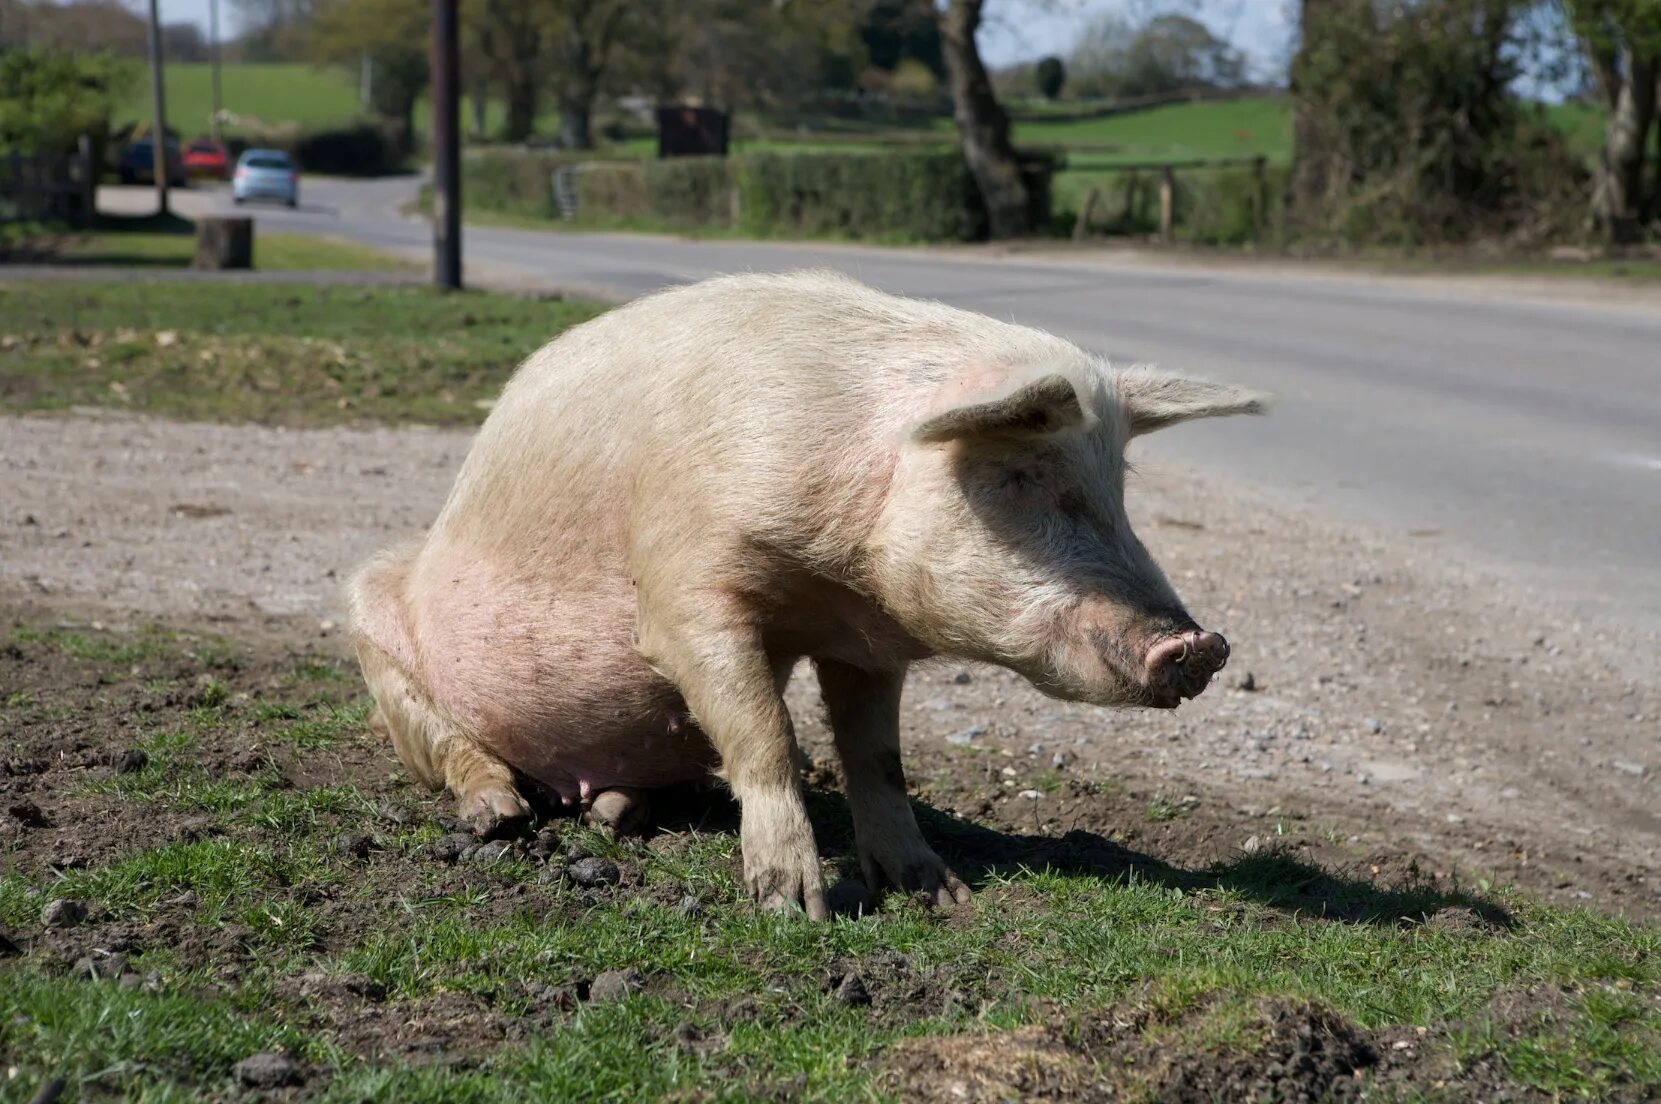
<point x="272" y="93"/>
<point x="1566" y="1003"/>
<point x="271" y="251"/>
<point x="1254" y="127"/>
<point x="300" y="355"/>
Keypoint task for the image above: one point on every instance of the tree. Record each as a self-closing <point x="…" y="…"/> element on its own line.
<point x="1622" y="42"/>
<point x="509" y="39"/>
<point x="1407" y="129"/>
<point x="1051" y="75"/>
<point x="49" y="98"/>
<point x="393" y="35"/>
<point x="982" y="125"/>
<point x="274" y="30"/>
<point x="1169" y="52"/>
<point x="584" y="33"/>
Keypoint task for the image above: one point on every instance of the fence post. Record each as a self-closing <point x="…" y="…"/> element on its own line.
<point x="1081" y="227"/>
<point x="1167" y="202"/>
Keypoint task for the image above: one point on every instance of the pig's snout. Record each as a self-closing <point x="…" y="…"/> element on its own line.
<point x="1181" y="666"/>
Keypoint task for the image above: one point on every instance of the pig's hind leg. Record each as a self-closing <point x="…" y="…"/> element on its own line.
<point x="864" y="709"/>
<point x="432" y="747"/>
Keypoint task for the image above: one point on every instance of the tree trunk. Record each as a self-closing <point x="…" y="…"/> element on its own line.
<point x="1618" y="200"/>
<point x="576" y="110"/>
<point x="982" y="124"/>
<point x="223" y="243"/>
<point x="521" y="110"/>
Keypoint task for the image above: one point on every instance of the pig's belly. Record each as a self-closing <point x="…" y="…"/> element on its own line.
<point x="549" y="680"/>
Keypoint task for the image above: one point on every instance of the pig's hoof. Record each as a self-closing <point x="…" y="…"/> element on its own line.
<point x="495" y="812"/>
<point x="919" y="872"/>
<point x="778" y="889"/>
<point x="623" y="811"/>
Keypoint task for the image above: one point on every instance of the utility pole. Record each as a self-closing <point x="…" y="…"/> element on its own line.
<point x="213" y="34"/>
<point x="158" y="141"/>
<point x="446" y="92"/>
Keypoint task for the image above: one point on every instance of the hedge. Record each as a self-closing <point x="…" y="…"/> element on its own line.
<point x="917" y="195"/>
<point x="367" y="147"/>
<point x="1210" y="206"/>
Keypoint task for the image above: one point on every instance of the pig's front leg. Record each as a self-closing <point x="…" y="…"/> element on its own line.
<point x="864" y="708"/>
<point x="730" y="686"/>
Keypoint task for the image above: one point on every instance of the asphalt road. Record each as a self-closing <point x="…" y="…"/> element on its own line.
<point x="1520" y="437"/>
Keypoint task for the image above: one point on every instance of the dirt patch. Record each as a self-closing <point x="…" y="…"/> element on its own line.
<point x="1401" y="710"/>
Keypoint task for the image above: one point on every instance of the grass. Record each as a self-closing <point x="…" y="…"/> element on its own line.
<point x="272" y="251"/>
<point x="300" y="355"/>
<point x="1252" y="127"/>
<point x="736" y="1005"/>
<point x="272" y="93"/>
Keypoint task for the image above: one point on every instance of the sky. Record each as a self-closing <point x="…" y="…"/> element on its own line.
<point x="1020" y="30"/>
<point x="1015" y="30"/>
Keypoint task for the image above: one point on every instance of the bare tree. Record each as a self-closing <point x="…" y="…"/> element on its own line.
<point x="982" y="124"/>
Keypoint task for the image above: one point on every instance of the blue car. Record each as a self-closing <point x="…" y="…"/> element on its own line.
<point x="265" y="174"/>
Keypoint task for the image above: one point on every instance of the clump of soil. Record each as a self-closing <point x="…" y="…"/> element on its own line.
<point x="1307" y="1053"/>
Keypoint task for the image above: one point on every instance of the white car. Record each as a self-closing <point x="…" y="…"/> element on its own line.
<point x="265" y="174"/>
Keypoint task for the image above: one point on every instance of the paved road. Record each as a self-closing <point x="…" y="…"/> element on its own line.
<point x="1522" y="437"/>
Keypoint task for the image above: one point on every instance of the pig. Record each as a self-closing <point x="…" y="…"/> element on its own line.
<point x="671" y="505"/>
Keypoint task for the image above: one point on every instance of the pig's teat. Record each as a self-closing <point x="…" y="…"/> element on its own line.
<point x="1181" y="666"/>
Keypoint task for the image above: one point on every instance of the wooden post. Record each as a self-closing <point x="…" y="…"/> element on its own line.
<point x="1082" y="226"/>
<point x="224" y="243"/>
<point x="1167" y="202"/>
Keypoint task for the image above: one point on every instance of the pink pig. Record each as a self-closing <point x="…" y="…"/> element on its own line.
<point x="674" y="503"/>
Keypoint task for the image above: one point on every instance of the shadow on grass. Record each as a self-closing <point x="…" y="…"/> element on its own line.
<point x="56" y="245"/>
<point x="979" y="854"/>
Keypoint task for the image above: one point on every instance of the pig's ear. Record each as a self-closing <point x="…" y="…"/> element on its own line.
<point x="1152" y="400"/>
<point x="1047" y="404"/>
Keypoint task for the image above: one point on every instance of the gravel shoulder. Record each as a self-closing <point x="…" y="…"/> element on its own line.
<point x="1406" y="706"/>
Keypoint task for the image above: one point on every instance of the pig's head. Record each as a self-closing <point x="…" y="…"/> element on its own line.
<point x="1004" y="537"/>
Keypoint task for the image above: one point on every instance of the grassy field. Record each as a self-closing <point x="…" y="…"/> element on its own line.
<point x="272" y="93"/>
<point x="256" y="878"/>
<point x="271" y="251"/>
<point x="293" y="355"/>
<point x="1182" y="132"/>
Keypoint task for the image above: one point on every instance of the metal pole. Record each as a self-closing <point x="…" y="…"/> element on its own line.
<point x="213" y="33"/>
<point x="159" y="139"/>
<point x="446" y="92"/>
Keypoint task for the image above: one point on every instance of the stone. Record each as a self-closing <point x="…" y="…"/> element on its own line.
<point x="354" y="846"/>
<point x="63" y="913"/>
<point x="851" y="990"/>
<point x="595" y="872"/>
<point x="616" y="984"/>
<point x="268" y="1070"/>
<point x="449" y="848"/>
